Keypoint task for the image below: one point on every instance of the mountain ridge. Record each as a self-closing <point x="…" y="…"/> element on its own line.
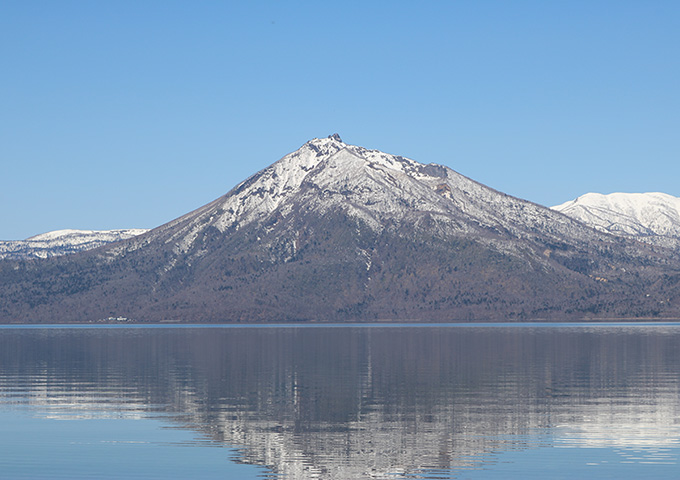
<point x="63" y="242"/>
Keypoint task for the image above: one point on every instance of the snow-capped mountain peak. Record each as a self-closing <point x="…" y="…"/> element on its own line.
<point x="326" y="164"/>
<point x="645" y="215"/>
<point x="380" y="190"/>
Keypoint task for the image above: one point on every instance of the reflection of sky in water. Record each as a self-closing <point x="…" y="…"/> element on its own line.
<point x="564" y="464"/>
<point x="37" y="445"/>
<point x="347" y="403"/>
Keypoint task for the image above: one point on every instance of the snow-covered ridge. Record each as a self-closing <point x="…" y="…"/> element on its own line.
<point x="653" y="217"/>
<point x="62" y="242"/>
<point x="328" y="165"/>
<point x="379" y="189"/>
<point x="325" y="163"/>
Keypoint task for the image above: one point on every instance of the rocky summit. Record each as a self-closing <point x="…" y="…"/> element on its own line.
<point x="339" y="233"/>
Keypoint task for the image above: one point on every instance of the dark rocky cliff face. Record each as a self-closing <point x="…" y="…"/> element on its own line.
<point x="335" y="232"/>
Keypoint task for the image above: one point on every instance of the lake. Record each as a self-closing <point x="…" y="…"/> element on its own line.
<point x="341" y="402"/>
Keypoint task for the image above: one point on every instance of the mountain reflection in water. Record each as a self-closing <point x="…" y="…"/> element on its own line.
<point x="357" y="402"/>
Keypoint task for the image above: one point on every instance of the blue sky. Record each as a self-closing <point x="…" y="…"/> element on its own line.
<point x="131" y="113"/>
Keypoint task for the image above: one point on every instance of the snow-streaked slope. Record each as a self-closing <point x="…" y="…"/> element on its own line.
<point x="651" y="217"/>
<point x="62" y="242"/>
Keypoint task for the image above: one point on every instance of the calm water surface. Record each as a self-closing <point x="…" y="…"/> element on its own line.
<point x="341" y="402"/>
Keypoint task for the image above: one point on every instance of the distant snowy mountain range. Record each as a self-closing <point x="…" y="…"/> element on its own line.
<point x="651" y="217"/>
<point x="62" y="242"/>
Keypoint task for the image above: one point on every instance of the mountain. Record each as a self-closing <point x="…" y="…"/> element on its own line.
<point x="651" y="217"/>
<point x="63" y="242"/>
<point x="337" y="232"/>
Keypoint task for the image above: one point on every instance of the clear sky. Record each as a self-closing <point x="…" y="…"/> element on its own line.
<point x="131" y="113"/>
